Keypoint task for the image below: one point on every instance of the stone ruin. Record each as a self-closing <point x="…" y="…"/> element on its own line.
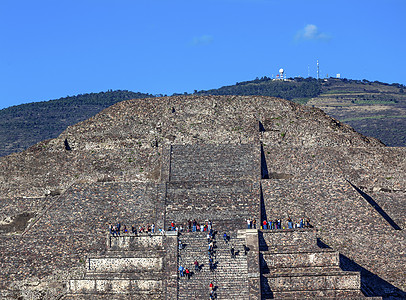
<point x="225" y="159"/>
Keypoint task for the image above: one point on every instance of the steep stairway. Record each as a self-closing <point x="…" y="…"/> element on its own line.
<point x="211" y="162"/>
<point x="229" y="276"/>
<point x="227" y="203"/>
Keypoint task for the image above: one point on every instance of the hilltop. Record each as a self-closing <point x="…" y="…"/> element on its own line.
<point x="224" y="158"/>
<point x="374" y="109"/>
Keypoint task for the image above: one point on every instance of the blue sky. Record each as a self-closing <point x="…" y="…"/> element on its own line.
<point x="52" y="49"/>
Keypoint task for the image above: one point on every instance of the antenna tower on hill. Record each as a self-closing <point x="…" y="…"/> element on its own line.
<point x="318" y="70"/>
<point x="281" y="71"/>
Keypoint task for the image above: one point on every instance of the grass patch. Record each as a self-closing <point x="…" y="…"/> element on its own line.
<point x="301" y="100"/>
<point x="371" y="117"/>
<point x="333" y="92"/>
<point x="390" y="102"/>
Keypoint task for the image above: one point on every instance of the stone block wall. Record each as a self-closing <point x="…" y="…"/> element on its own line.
<point x="274" y="239"/>
<point x="96" y="286"/>
<point x="300" y="260"/>
<point x="212" y="162"/>
<point x="291" y="270"/>
<point x="146" y="268"/>
<point x="74" y="227"/>
<point x="345" y="222"/>
<point x="225" y="203"/>
<point x="92" y="207"/>
<point x="126" y="242"/>
<point x="365" y="168"/>
<point x="171" y="266"/>
<point x="253" y="264"/>
<point x="125" y="264"/>
<point x="348" y="281"/>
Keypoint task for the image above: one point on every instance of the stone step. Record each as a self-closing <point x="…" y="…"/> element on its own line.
<point x="109" y="296"/>
<point x="301" y="259"/>
<point x="320" y="294"/>
<point x="128" y="242"/>
<point x="299" y="238"/>
<point x="113" y="286"/>
<point x="124" y="264"/>
<point x="204" y="294"/>
<point x="224" y="219"/>
<point x="305" y="270"/>
<point x="224" y="288"/>
<point x="341" y="280"/>
<point x="230" y="274"/>
<point x="241" y="234"/>
<point x="211" y="187"/>
<point x="218" y="276"/>
<point x="138" y="275"/>
<point x="203" y="251"/>
<point x="230" y="265"/>
<point x="199" y="242"/>
<point x="212" y="162"/>
<point x="293" y="249"/>
<point x="204" y="243"/>
<point x="125" y="254"/>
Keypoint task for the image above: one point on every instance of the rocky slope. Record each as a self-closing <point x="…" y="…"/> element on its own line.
<point x="123" y="141"/>
<point x="57" y="197"/>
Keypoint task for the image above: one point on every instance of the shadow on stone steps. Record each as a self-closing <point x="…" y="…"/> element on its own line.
<point x="371" y="284"/>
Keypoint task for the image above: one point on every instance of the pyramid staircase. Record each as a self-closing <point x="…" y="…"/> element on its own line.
<point x="230" y="274"/>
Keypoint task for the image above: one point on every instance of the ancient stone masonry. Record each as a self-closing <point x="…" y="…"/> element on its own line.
<point x="293" y="266"/>
<point x="229" y="276"/>
<point x="225" y="159"/>
<point x="133" y="266"/>
<point x="212" y="162"/>
<point x="274" y="264"/>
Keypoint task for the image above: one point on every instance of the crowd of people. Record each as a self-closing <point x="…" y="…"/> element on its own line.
<point x="251" y="224"/>
<point x="206" y="226"/>
<point x="277" y="224"/>
<point x="189" y="226"/>
<point x="117" y="229"/>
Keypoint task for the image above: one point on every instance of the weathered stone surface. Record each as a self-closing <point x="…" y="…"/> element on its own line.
<point x="124" y="264"/>
<point x="131" y="242"/>
<point x="94" y="286"/>
<point x="179" y="158"/>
